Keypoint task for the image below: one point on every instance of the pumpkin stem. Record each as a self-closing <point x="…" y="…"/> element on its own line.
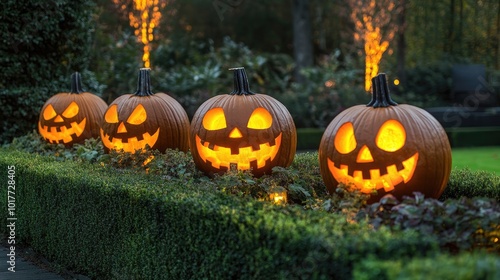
<point x="76" y="83"/>
<point x="144" y="83"/>
<point x="381" y="96"/>
<point x="240" y="81"/>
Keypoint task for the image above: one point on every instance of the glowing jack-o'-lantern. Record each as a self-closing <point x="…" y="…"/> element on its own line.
<point x="244" y="130"/>
<point x="385" y="147"/>
<point x="71" y="117"/>
<point x="134" y="121"/>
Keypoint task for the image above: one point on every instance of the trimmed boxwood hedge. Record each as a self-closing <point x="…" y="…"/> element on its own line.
<point x="467" y="183"/>
<point x="464" y="266"/>
<point x="115" y="224"/>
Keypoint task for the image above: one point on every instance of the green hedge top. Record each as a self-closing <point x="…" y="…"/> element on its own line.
<point x="114" y="223"/>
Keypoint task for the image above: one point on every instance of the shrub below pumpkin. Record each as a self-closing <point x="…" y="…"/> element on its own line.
<point x="111" y="223"/>
<point x="473" y="224"/>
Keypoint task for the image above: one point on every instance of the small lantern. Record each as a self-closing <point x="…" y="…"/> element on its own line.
<point x="245" y="130"/>
<point x="384" y="148"/>
<point x="278" y="195"/>
<point x="134" y="121"/>
<point x="71" y="117"/>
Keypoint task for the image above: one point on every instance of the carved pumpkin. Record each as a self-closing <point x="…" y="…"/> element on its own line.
<point x="71" y="117"/>
<point x="134" y="121"/>
<point x="385" y="147"/>
<point x="242" y="130"/>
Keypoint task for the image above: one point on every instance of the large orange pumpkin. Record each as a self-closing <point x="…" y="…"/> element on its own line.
<point x="134" y="121"/>
<point x="384" y="148"/>
<point x="244" y="130"/>
<point x="71" y="117"/>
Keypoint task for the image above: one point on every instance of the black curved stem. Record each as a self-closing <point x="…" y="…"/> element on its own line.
<point x="144" y="83"/>
<point x="76" y="83"/>
<point x="381" y="96"/>
<point x="374" y="91"/>
<point x="240" y="81"/>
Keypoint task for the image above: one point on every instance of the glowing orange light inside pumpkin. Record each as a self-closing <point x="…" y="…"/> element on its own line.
<point x="131" y="144"/>
<point x="390" y="138"/>
<point x="220" y="156"/>
<point x="214" y="119"/>
<point x="71" y="110"/>
<point x="345" y="142"/>
<point x="235" y="133"/>
<point x="111" y="115"/>
<point x="364" y="155"/>
<point x="55" y="134"/>
<point x="49" y="112"/>
<point x="138" y="116"/>
<point x="260" y="119"/>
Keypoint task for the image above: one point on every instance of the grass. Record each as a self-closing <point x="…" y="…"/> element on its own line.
<point x="477" y="158"/>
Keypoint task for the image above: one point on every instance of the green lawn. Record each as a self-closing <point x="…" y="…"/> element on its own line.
<point x="478" y="158"/>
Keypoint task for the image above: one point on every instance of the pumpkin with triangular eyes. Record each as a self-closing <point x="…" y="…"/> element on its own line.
<point x="71" y="117"/>
<point x="242" y="130"/>
<point x="385" y="148"/>
<point x="145" y="119"/>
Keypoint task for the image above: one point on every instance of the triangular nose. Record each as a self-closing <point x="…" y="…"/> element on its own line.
<point x="58" y="119"/>
<point x="121" y="128"/>
<point x="364" y="155"/>
<point x="235" y="133"/>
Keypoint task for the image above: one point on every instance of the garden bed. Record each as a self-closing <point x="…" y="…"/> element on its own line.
<point x="110" y="217"/>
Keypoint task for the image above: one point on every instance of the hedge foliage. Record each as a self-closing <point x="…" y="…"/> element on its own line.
<point x="151" y="216"/>
<point x="42" y="42"/>
<point x="464" y="266"/>
<point x="464" y="182"/>
<point x="117" y="224"/>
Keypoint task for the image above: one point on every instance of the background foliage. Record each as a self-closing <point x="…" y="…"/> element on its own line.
<point x="42" y="43"/>
<point x="314" y="235"/>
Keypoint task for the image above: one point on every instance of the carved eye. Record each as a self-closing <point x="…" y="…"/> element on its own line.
<point x="391" y="136"/>
<point x="260" y="119"/>
<point x="214" y="119"/>
<point x="71" y="111"/>
<point x="111" y="115"/>
<point x="345" y="141"/>
<point x="49" y="112"/>
<point x="138" y="116"/>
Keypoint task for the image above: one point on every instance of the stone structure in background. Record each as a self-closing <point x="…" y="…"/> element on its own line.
<point x="471" y="88"/>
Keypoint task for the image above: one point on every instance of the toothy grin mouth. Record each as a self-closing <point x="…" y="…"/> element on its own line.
<point x="245" y="158"/>
<point x="132" y="144"/>
<point x="375" y="180"/>
<point x="62" y="133"/>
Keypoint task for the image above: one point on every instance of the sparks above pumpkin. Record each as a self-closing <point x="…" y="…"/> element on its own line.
<point x="71" y="117"/>
<point x="242" y="129"/>
<point x="384" y="148"/>
<point x="134" y="121"/>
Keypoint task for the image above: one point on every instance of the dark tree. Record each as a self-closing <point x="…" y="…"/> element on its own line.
<point x="302" y="37"/>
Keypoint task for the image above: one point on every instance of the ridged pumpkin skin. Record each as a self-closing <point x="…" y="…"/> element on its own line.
<point x="242" y="130"/>
<point x="133" y="121"/>
<point x="383" y="148"/>
<point x="71" y="117"/>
